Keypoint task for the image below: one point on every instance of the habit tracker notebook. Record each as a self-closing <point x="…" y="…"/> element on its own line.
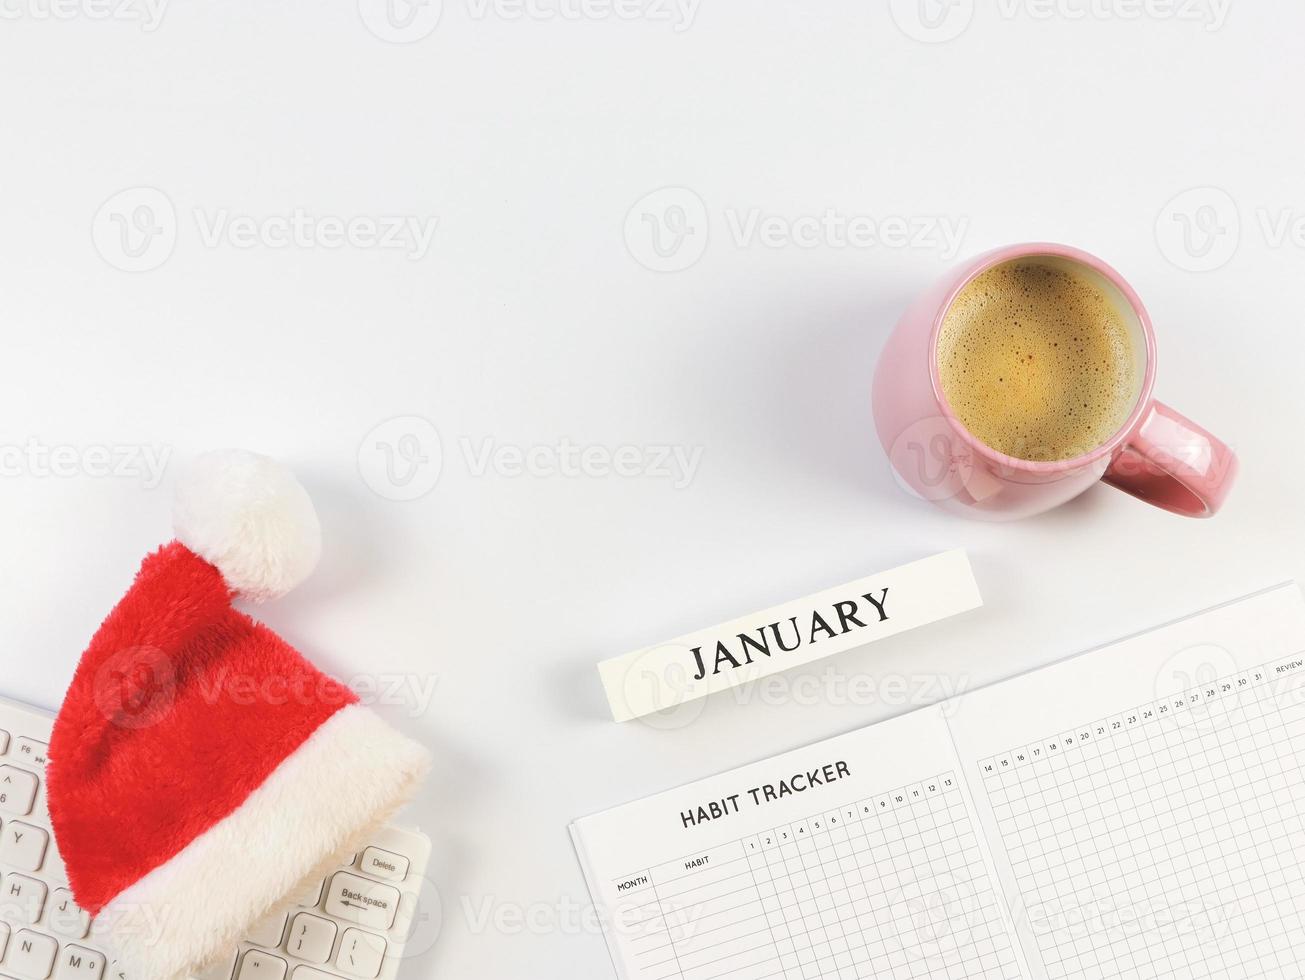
<point x="1136" y="811"/>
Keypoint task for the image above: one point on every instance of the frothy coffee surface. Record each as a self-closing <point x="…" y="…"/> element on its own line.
<point x="1037" y="362"/>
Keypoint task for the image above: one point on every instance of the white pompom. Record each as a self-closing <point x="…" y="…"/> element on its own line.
<point x="249" y="516"/>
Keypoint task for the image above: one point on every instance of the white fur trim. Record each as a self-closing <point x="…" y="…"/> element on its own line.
<point x="315" y="809"/>
<point x="249" y="516"/>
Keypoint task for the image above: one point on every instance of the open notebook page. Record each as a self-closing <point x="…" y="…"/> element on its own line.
<point x="854" y="857"/>
<point x="1145" y="801"/>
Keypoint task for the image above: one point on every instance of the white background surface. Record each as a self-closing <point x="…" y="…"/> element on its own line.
<point x="530" y="321"/>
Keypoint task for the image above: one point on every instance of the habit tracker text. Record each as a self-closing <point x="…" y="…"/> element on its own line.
<point x="765" y="793"/>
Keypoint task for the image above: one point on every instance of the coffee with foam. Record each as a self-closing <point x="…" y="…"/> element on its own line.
<point x="1038" y="361"/>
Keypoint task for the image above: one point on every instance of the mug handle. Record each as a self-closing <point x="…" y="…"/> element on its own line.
<point x="1172" y="462"/>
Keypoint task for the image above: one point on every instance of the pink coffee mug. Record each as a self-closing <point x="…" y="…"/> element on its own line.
<point x="1157" y="455"/>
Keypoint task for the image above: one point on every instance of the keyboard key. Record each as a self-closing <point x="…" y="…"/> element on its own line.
<point x="268" y="931"/>
<point x="308" y="973"/>
<point x="384" y="864"/>
<point x="4" y="741"/>
<point x="32" y="752"/>
<point x="361" y="900"/>
<point x="66" y="917"/>
<point x="258" y="965"/>
<point x="4" y="938"/>
<point x="22" y="899"/>
<point x="17" y="790"/>
<point x="311" y="938"/>
<point x="23" y="846"/>
<point x="76" y="963"/>
<point x="361" y="953"/>
<point x="31" y="955"/>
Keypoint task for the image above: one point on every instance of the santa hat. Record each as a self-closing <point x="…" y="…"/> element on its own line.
<point x="201" y="770"/>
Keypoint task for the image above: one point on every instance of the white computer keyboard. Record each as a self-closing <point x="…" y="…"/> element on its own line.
<point x="324" y="936"/>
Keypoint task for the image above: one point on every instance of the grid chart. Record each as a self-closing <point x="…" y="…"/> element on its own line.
<point x="1163" y="841"/>
<point x="891" y="886"/>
